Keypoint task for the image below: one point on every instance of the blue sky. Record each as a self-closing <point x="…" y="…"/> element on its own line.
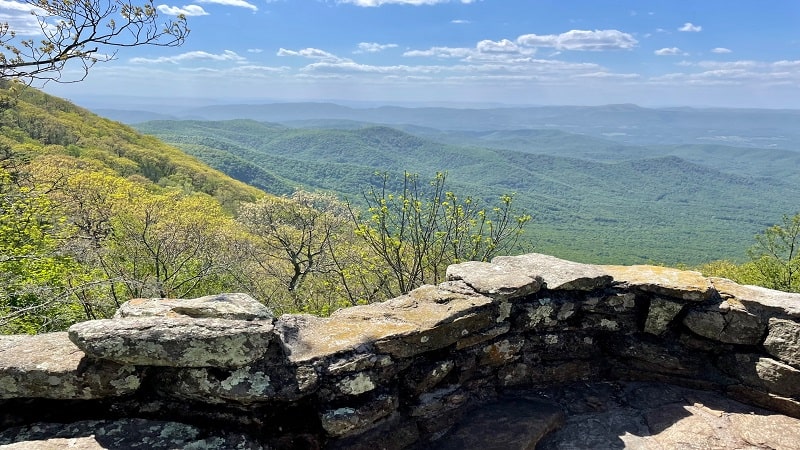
<point x="736" y="53"/>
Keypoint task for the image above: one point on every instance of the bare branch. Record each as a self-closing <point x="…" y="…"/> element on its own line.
<point x="83" y="31"/>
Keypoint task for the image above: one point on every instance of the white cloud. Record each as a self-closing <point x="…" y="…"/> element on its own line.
<point x="581" y="40"/>
<point x="734" y="73"/>
<point x="19" y="18"/>
<point x="373" y="3"/>
<point x="787" y="64"/>
<point x="251" y="70"/>
<point x="16" y="6"/>
<point x="668" y="51"/>
<point x="525" y="46"/>
<point x="608" y="75"/>
<point x="186" y="10"/>
<point x="690" y="27"/>
<point x="503" y="46"/>
<point x="227" y="55"/>
<point x="239" y="3"/>
<point x="373" y="47"/>
<point x="254" y="50"/>
<point x="460" y="21"/>
<point x="441" y="52"/>
<point x="721" y="50"/>
<point x="311" y="53"/>
<point x="474" y="70"/>
<point x="743" y="64"/>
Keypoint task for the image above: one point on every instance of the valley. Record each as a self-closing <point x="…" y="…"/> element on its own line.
<point x="594" y="198"/>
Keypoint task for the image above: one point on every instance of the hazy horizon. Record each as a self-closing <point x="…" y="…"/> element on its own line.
<point x="512" y="52"/>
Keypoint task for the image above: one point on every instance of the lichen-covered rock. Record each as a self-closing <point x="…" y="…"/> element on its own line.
<point x="557" y="274"/>
<point x="660" y="315"/>
<point x="121" y="434"/>
<point x="50" y="366"/>
<point x="494" y="280"/>
<point x="727" y="322"/>
<point x="260" y="381"/>
<point x="783" y="341"/>
<point x="682" y="284"/>
<point x="174" y="341"/>
<point x="501" y="352"/>
<point x="348" y="421"/>
<point x="560" y="345"/>
<point x="236" y="306"/>
<point x="426" y="319"/>
<point x="759" y="300"/>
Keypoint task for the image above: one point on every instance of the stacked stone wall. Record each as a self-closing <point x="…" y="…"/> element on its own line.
<point x="410" y="367"/>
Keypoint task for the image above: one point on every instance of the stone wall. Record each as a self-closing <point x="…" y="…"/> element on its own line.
<point x="221" y="371"/>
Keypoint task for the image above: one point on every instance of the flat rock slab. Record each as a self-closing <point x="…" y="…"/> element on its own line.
<point x="120" y="434"/>
<point x="494" y="280"/>
<point x="557" y="274"/>
<point x="508" y="424"/>
<point x="682" y="284"/>
<point x="174" y="341"/>
<point x="658" y="416"/>
<point x="222" y="306"/>
<point x="50" y="366"/>
<point x="425" y="319"/>
<point x="759" y="300"/>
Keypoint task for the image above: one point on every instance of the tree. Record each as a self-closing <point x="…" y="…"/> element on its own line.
<point x="33" y="272"/>
<point x="419" y="230"/>
<point x="293" y="237"/>
<point x="84" y="31"/>
<point x="776" y="255"/>
<point x="169" y="245"/>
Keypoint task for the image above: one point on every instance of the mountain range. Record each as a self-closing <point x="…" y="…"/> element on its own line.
<point x="594" y="199"/>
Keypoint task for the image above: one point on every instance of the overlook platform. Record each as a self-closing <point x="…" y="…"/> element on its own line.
<point x="523" y="351"/>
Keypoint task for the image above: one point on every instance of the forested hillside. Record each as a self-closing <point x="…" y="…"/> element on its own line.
<point x="592" y="200"/>
<point x="93" y="213"/>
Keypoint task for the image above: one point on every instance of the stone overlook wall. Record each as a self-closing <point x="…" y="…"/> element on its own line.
<point x="222" y="372"/>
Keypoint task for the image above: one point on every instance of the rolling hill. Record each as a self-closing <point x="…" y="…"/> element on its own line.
<point x="593" y="200"/>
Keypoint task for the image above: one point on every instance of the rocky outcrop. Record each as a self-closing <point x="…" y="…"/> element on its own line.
<point x="430" y="367"/>
<point x="50" y="366"/>
<point x="173" y="341"/>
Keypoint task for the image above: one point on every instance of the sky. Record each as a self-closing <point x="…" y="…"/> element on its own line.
<point x="704" y="53"/>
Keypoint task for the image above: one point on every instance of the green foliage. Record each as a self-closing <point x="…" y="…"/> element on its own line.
<point x="33" y="273"/>
<point x="418" y="230"/>
<point x="303" y="256"/>
<point x="93" y="213"/>
<point x="774" y="259"/>
<point x="776" y="255"/>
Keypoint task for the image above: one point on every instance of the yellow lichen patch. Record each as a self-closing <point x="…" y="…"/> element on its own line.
<point x="683" y="284"/>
